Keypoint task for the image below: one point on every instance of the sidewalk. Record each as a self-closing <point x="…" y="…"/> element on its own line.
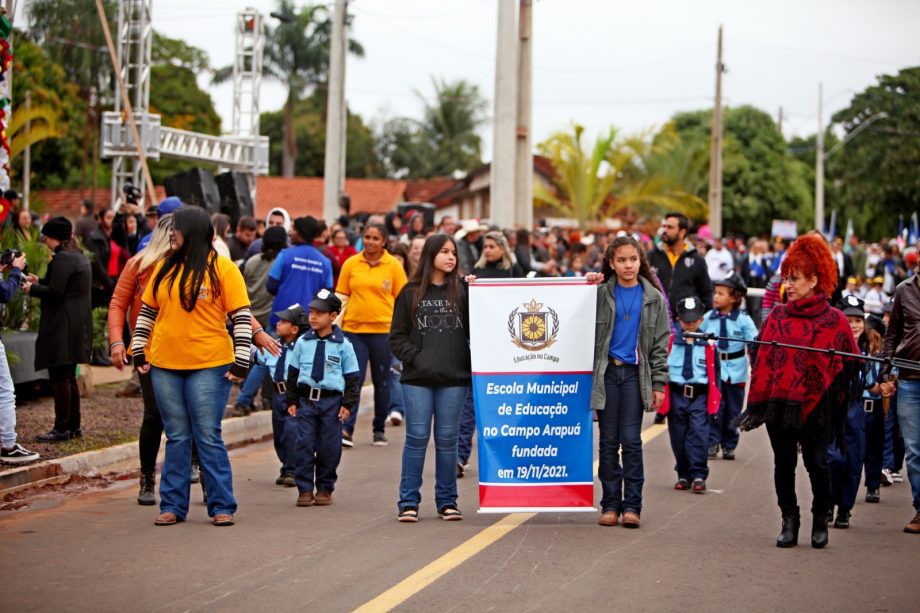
<point x="237" y="432"/>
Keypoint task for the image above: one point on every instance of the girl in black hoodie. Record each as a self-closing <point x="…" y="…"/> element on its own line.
<point x="430" y="335"/>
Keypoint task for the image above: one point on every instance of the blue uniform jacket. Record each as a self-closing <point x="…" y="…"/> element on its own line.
<point x="341" y="368"/>
<point x="739" y="325"/>
<point x="676" y="362"/>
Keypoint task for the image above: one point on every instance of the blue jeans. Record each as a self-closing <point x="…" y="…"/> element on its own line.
<point x="721" y="429"/>
<point x="467" y="429"/>
<point x="192" y="404"/>
<point x="284" y="433"/>
<point x="875" y="445"/>
<point x="443" y="405"/>
<point x="909" y="419"/>
<point x="894" y="444"/>
<point x="318" y="444"/>
<point x="252" y="384"/>
<point x="620" y="426"/>
<point x="373" y="348"/>
<point x="396" y="395"/>
<point x="846" y="466"/>
<point x="688" y="429"/>
<point x="7" y="402"/>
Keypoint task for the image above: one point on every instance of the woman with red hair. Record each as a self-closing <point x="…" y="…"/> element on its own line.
<point x="796" y="392"/>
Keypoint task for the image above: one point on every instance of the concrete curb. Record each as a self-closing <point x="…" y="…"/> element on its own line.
<point x="237" y="431"/>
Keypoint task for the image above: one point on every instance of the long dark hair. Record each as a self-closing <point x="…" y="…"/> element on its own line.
<point x="425" y="270"/>
<point x="195" y="258"/>
<point x="626" y="241"/>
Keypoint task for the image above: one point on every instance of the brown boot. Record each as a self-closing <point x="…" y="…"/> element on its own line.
<point x="323" y="499"/>
<point x="609" y="518"/>
<point x="305" y="499"/>
<point x="913" y="526"/>
<point x="630" y="519"/>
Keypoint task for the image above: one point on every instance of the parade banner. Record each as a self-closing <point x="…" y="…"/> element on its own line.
<point x="532" y="353"/>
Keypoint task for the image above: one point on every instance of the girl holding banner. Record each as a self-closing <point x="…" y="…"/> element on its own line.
<point x="630" y="374"/>
<point x="430" y="335"/>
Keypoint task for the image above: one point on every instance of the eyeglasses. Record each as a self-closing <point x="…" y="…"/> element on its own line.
<point x="790" y="279"/>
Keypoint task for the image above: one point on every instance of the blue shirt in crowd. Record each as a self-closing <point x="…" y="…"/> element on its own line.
<point x="697" y="358"/>
<point x="296" y="275"/>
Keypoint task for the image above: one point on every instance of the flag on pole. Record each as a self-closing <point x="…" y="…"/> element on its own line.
<point x="914" y="233"/>
<point x="832" y="226"/>
<point x="849" y="235"/>
<point x="901" y="232"/>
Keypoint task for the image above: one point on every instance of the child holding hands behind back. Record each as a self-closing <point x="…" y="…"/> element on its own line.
<point x="322" y="386"/>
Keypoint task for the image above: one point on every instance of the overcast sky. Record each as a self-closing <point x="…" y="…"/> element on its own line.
<point x="598" y="62"/>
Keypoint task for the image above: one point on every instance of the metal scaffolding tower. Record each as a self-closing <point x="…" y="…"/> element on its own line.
<point x="244" y="150"/>
<point x="135" y="39"/>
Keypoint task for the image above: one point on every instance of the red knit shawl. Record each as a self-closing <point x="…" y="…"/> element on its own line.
<point x="793" y="375"/>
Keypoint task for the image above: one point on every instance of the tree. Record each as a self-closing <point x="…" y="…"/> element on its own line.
<point x="761" y="180"/>
<point x="56" y="162"/>
<point x="445" y="141"/>
<point x="297" y="53"/>
<point x="309" y="130"/>
<point x="877" y="171"/>
<point x="617" y="174"/>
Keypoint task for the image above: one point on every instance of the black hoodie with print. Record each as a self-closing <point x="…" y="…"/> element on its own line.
<point x="434" y="343"/>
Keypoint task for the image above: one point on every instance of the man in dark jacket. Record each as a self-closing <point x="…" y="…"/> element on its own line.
<point x="99" y="243"/>
<point x="681" y="269"/>
<point x="902" y="340"/>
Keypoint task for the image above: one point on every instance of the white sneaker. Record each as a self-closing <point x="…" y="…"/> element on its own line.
<point x="396" y="418"/>
<point x="887" y="478"/>
<point x="17" y="454"/>
<point x="896" y="477"/>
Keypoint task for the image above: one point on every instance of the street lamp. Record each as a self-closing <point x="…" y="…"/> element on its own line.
<point x="821" y="156"/>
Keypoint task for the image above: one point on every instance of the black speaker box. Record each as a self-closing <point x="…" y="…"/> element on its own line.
<point x="235" y="197"/>
<point x="196" y="187"/>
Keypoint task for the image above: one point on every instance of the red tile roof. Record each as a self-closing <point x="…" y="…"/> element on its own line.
<point x="430" y="190"/>
<point x="304" y="195"/>
<point x="66" y="202"/>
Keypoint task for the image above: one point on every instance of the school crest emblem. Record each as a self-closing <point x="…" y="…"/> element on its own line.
<point x="533" y="328"/>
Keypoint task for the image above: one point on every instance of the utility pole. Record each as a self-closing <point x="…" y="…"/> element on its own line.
<point x="779" y="120"/>
<point x="819" y="164"/>
<point x="523" y="179"/>
<point x="715" y="154"/>
<point x="27" y="156"/>
<point x="333" y="167"/>
<point x="504" y="142"/>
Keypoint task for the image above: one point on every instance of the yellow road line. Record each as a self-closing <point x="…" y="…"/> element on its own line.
<point x="419" y="580"/>
<point x="416" y="582"/>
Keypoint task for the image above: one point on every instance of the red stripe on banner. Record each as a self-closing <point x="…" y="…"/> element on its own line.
<point x="537" y="372"/>
<point x="474" y="284"/>
<point x="536" y="495"/>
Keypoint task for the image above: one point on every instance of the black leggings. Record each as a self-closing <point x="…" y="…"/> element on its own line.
<point x="814" y="455"/>
<point x="66" y="397"/>
<point x="148" y="443"/>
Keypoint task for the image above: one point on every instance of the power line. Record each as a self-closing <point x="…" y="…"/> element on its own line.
<point x="840" y="56"/>
<point x="455" y="11"/>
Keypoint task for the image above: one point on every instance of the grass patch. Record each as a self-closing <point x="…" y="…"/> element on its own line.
<point x="92" y="442"/>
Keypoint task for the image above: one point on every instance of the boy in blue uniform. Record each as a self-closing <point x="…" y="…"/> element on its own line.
<point x="322" y="386"/>
<point x="691" y="368"/>
<point x="292" y="322"/>
<point x="726" y="319"/>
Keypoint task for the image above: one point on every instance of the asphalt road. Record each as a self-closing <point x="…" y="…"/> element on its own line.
<point x="100" y="551"/>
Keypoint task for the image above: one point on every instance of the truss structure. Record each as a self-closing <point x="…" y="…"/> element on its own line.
<point x="243" y="150"/>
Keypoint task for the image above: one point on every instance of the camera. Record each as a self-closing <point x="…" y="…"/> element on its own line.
<point x="7" y="257"/>
<point x="132" y="193"/>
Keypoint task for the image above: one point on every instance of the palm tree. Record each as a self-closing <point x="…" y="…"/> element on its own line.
<point x="297" y="53"/>
<point x="445" y="140"/>
<point x="628" y="173"/>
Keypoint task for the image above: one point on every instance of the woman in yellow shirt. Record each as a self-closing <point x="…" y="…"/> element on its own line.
<point x="368" y="285"/>
<point x="194" y="361"/>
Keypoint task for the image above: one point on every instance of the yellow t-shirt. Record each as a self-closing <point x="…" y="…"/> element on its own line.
<point x="197" y="339"/>
<point x="372" y="292"/>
